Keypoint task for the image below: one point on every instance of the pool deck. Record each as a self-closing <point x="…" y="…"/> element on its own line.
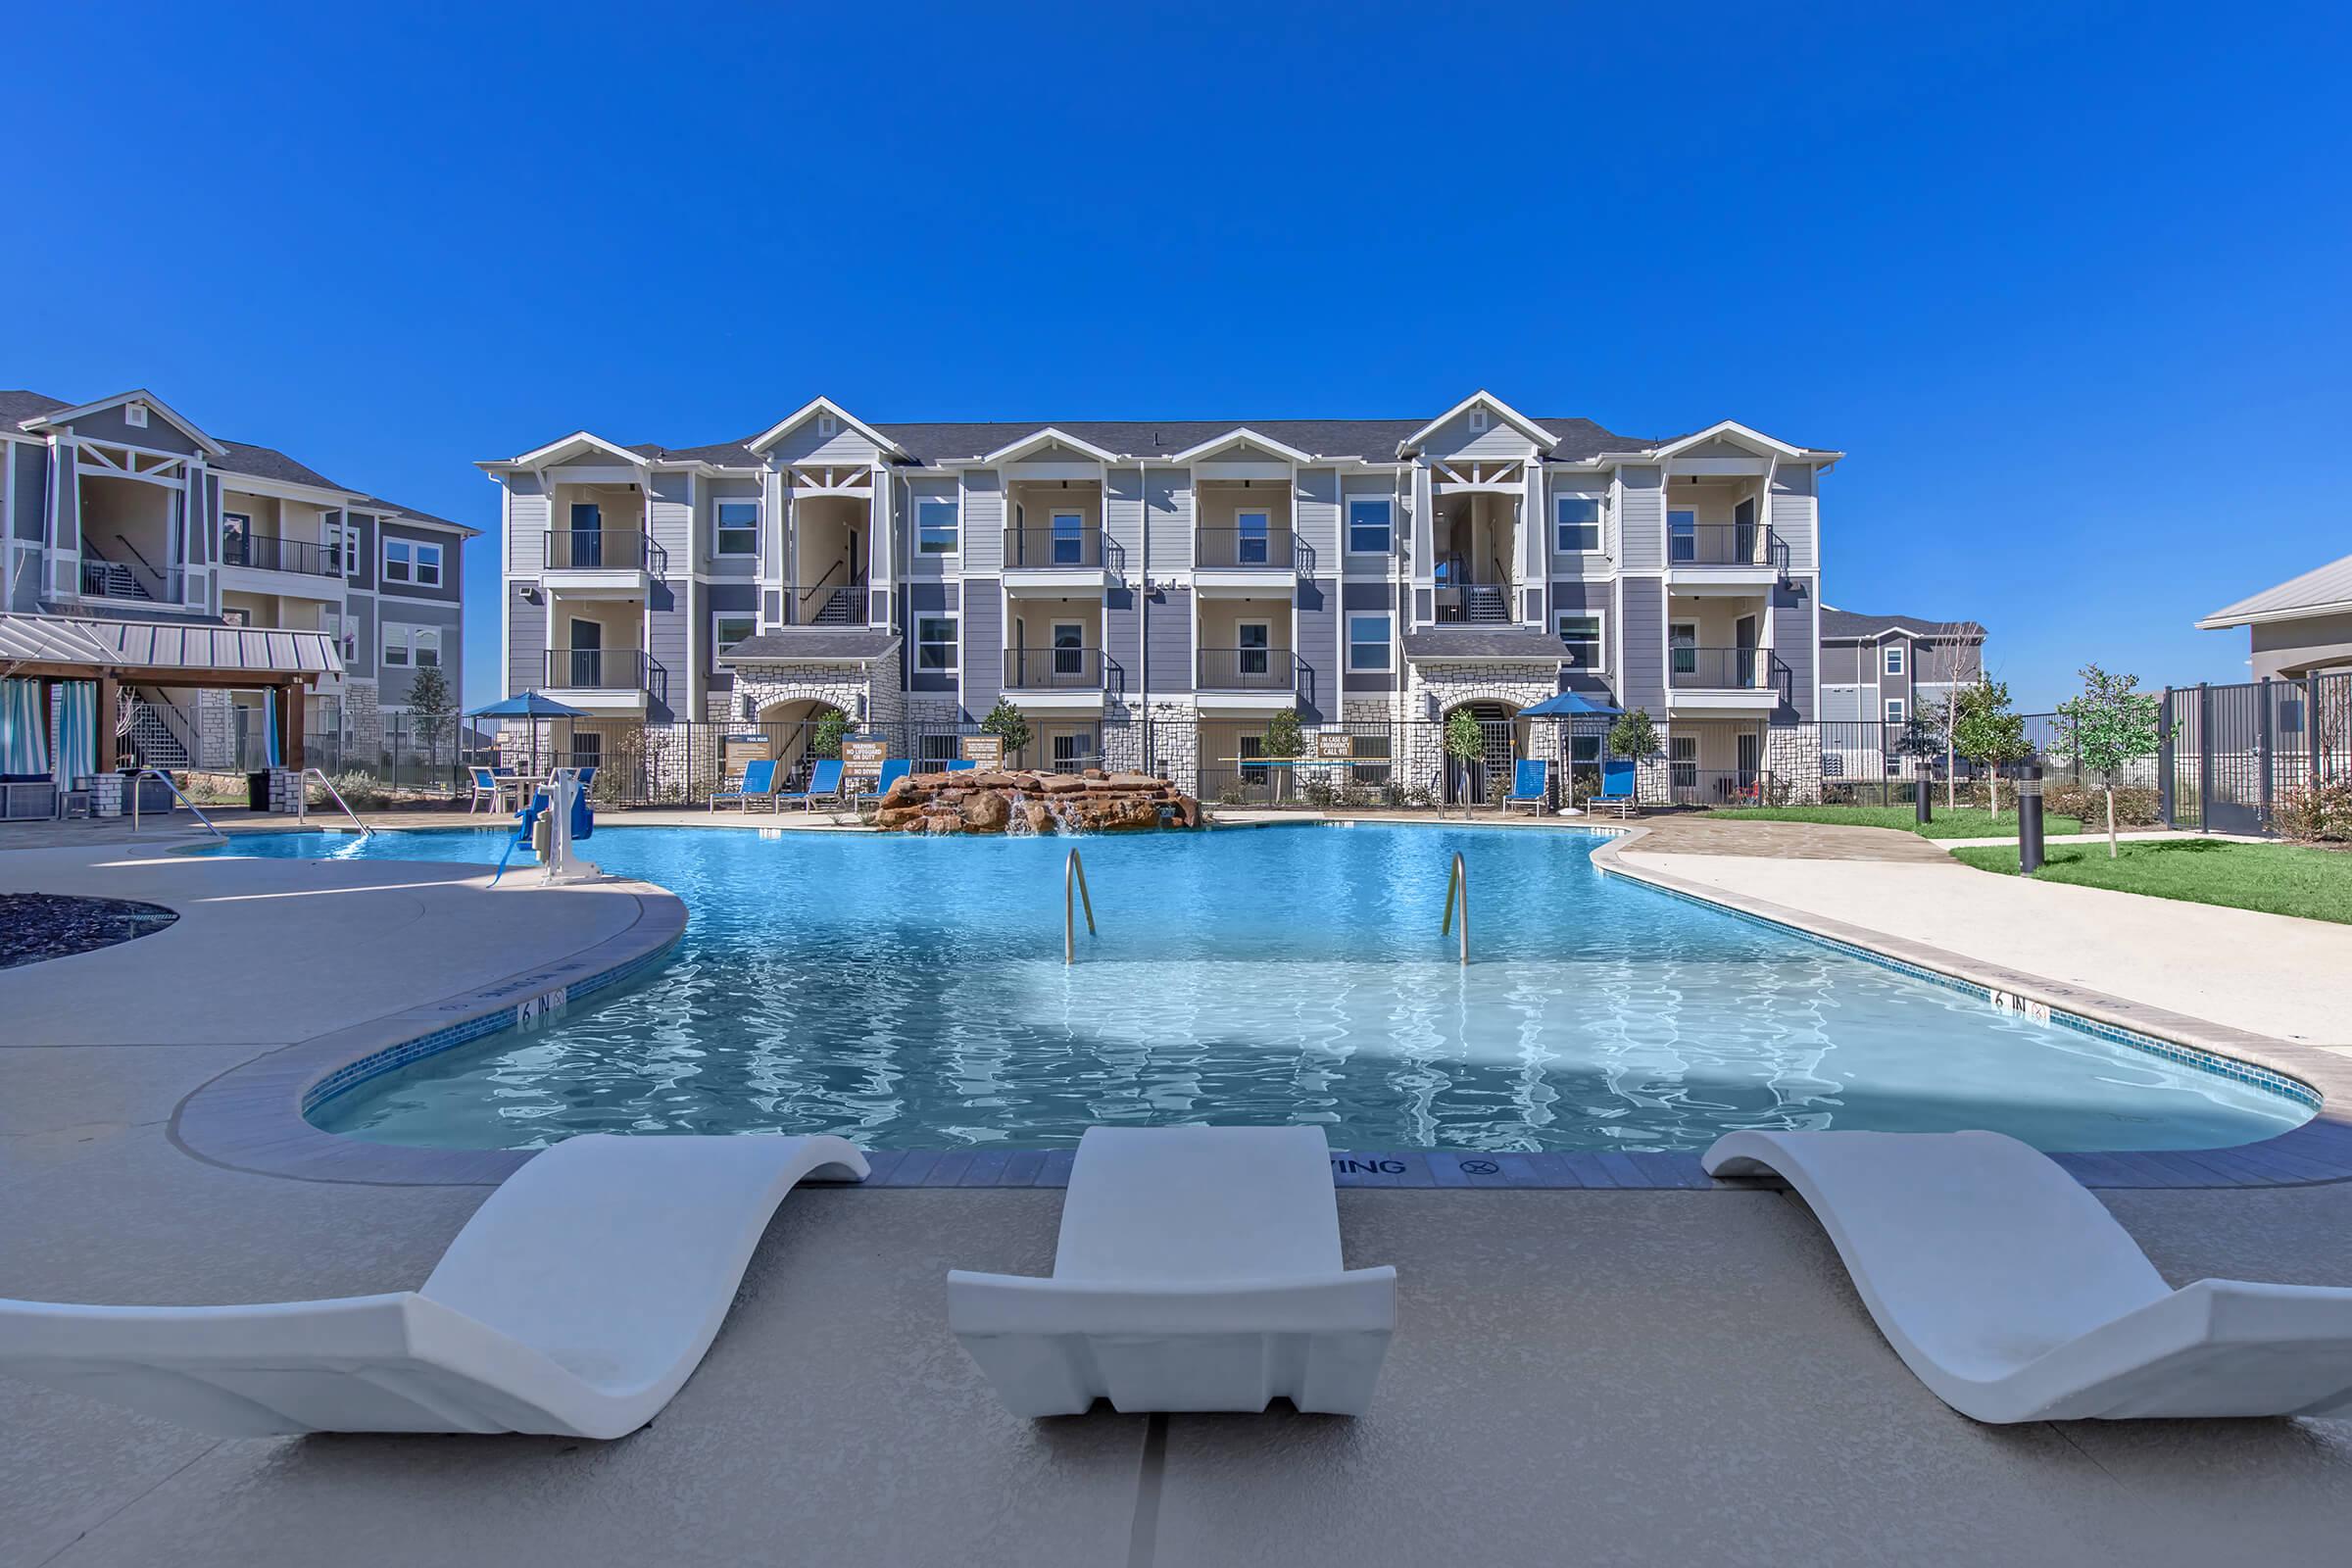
<point x="1590" y="1376"/>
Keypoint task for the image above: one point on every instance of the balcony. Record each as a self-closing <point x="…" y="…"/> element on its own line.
<point x="262" y="551"/>
<point x="1247" y="558"/>
<point x="1252" y="679"/>
<point x="601" y="561"/>
<point x="1747" y="678"/>
<point x="1737" y="555"/>
<point x="1056" y="679"/>
<point x="140" y="584"/>
<point x="1056" y="560"/>
<point x="613" y="680"/>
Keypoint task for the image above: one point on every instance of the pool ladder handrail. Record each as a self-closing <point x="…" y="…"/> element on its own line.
<point x="159" y="773"/>
<point x="1073" y="877"/>
<point x="1457" y="891"/>
<point x="302" y="799"/>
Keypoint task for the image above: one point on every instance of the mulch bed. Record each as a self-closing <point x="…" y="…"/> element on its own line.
<point x="50" y="925"/>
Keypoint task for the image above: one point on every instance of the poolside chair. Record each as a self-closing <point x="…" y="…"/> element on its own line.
<point x="2014" y="1295"/>
<point x="1530" y="785"/>
<point x="487" y="786"/>
<point x="892" y="770"/>
<point x="575" y="1302"/>
<point x="1617" y="786"/>
<point x="824" y="784"/>
<point x="1199" y="1269"/>
<point x="758" y="783"/>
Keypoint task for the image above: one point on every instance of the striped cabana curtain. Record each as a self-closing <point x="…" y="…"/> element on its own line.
<point x="24" y="728"/>
<point x="76" y="731"/>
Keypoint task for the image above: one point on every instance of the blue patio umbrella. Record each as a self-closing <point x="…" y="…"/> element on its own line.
<point x="1570" y="705"/>
<point x="532" y="707"/>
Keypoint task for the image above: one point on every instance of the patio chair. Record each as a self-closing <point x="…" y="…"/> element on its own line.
<point x="892" y="770"/>
<point x="1530" y="785"/>
<point x="1199" y="1269"/>
<point x="1617" y="786"/>
<point x="758" y="783"/>
<point x="824" y="784"/>
<point x="487" y="785"/>
<point x="2014" y="1295"/>
<point x="575" y="1302"/>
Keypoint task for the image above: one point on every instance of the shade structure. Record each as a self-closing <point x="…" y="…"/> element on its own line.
<point x="530" y="706"/>
<point x="1569" y="705"/>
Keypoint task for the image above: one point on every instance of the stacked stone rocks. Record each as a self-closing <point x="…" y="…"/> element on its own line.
<point x="1014" y="801"/>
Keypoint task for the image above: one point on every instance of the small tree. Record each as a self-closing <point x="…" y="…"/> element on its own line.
<point x="1633" y="735"/>
<point x="1008" y="724"/>
<point x="1465" y="743"/>
<point x="1283" y="736"/>
<point x="431" y="707"/>
<point x="1986" y="731"/>
<point x="827" y="742"/>
<point x="2111" y="724"/>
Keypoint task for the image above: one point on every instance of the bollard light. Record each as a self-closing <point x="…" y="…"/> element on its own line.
<point x="2028" y="819"/>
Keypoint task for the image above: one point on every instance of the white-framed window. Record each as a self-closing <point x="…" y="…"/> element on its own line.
<point x="730" y="626"/>
<point x="134" y="414"/>
<point x="935" y="644"/>
<point x="937" y="528"/>
<point x="345" y="630"/>
<point x="826" y="424"/>
<point x="1069" y="539"/>
<point x="395" y="645"/>
<point x="1069" y="648"/>
<point x="1580" y="633"/>
<point x="1681" y="535"/>
<point x="1574" y="524"/>
<point x="1682" y="647"/>
<point x="737" y="524"/>
<point x="1894" y="659"/>
<point x="1895" y="709"/>
<point x="1681" y="756"/>
<point x="398" y="562"/>
<point x="1253" y="644"/>
<point x="1368" y="641"/>
<point x="1478" y="421"/>
<point x="1370" y="530"/>
<point x="428" y="566"/>
<point x="424" y="646"/>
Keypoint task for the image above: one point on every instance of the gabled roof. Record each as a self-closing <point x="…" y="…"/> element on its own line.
<point x="1848" y="625"/>
<point x="1485" y="644"/>
<point x="1051" y="435"/>
<point x="815" y="406"/>
<point x="268" y="463"/>
<point x="576" y="444"/>
<point x="401" y="514"/>
<point x="1733" y="430"/>
<point x="1544" y="439"/>
<point x="62" y="416"/>
<point x="2322" y="591"/>
<point x="1236" y="436"/>
<point x="19" y="406"/>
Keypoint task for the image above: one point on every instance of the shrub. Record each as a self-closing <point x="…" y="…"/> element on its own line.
<point x="1318" y="792"/>
<point x="1420" y="794"/>
<point x="2320" y="814"/>
<point x="363" y="791"/>
<point x="2133" y="806"/>
<point x="1232" y="792"/>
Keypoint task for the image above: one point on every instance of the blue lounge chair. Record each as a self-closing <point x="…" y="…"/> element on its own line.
<point x="1617" y="785"/>
<point x="824" y="784"/>
<point x="892" y="770"/>
<point x="957" y="765"/>
<point x="488" y="786"/>
<point x="758" y="783"/>
<point x="1530" y="785"/>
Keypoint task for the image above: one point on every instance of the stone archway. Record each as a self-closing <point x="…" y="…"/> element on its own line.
<point x="1482" y="783"/>
<point x="791" y="726"/>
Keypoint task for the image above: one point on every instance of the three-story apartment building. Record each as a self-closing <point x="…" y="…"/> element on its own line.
<point x="1180" y="580"/>
<point x="122" y="512"/>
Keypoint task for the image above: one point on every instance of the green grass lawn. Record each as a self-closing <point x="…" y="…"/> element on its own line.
<point x="2275" y="879"/>
<point x="1967" y="822"/>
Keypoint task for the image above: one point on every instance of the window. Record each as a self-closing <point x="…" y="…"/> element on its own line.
<point x="1069" y="648"/>
<point x="396" y="560"/>
<point x="396" y="644"/>
<point x="1895" y="709"/>
<point x="1368" y="527"/>
<point x="935" y="528"/>
<point x="1681" y="645"/>
<point x="1575" y="525"/>
<point x="1894" y="659"/>
<point x="827" y="425"/>
<point x="729" y="628"/>
<point x="1252" y="540"/>
<point x="935" y="644"/>
<point x="1682" y="536"/>
<point x="1580" y="634"/>
<point x="1372" y="759"/>
<point x="1069" y="538"/>
<point x="738" y="527"/>
<point x="1255" y="639"/>
<point x="1682" y="756"/>
<point x="1368" y="642"/>
<point x="134" y="414"/>
<point x="428" y="566"/>
<point x="424" y="646"/>
<point x="236" y="534"/>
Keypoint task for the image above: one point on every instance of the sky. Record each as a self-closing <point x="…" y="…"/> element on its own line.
<point x="2068" y="282"/>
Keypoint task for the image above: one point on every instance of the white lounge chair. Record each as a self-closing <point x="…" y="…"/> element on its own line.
<point x="576" y="1302"/>
<point x="1199" y="1269"/>
<point x="2015" y="1295"/>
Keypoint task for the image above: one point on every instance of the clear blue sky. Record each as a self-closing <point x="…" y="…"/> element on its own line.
<point x="2068" y="281"/>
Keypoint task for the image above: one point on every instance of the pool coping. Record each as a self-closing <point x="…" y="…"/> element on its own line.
<point x="252" y="1116"/>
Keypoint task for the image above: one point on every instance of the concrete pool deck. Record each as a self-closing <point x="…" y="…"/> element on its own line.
<point x="1589" y="1376"/>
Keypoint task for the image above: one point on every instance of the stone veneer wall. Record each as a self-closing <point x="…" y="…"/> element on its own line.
<point x="1794" y="755"/>
<point x="1444" y="687"/>
<point x="364" y="718"/>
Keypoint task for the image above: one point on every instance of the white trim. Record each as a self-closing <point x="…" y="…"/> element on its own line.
<point x="1348" y="504"/>
<point x="578" y="441"/>
<point x="1892" y="661"/>
<point x="915" y="640"/>
<point x="917" y="501"/>
<point x="155" y="405"/>
<point x="717" y="503"/>
<point x="383" y="563"/>
<point x="767" y="439"/>
<point x="1894" y="710"/>
<point x="1238" y="435"/>
<point x="718" y="644"/>
<point x="1545" y="440"/>
<point x="1601" y="620"/>
<point x="1048" y="436"/>
<point x="1599" y="523"/>
<point x="2222" y="619"/>
<point x="1733" y="430"/>
<point x="1350" y="642"/>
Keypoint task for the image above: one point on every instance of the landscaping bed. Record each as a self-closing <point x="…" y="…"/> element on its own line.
<point x="2274" y="878"/>
<point x="1967" y="822"/>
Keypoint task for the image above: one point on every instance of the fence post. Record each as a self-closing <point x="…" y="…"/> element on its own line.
<point x="2167" y="733"/>
<point x="2266" y="747"/>
<point x="2310" y="725"/>
<point x="2204" y="753"/>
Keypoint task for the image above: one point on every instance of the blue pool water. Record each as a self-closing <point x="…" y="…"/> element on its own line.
<point x="911" y="992"/>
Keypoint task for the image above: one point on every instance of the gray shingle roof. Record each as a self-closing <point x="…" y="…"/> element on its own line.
<point x="826" y="643"/>
<point x="18" y="406"/>
<point x="1850" y="625"/>
<point x="268" y="463"/>
<point x="1375" y="440"/>
<point x="2322" y="589"/>
<point x="419" y="515"/>
<point x="1441" y="642"/>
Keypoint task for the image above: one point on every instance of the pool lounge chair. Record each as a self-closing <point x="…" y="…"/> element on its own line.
<point x="2014" y="1295"/>
<point x="488" y="786"/>
<point x="824" y="784"/>
<point x="892" y="770"/>
<point x="1530" y="785"/>
<point x="1617" y="786"/>
<point x="1199" y="1269"/>
<point x="758" y="783"/>
<point x="575" y="1302"/>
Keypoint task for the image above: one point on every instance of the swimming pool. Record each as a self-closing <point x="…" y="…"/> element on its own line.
<point x="911" y="993"/>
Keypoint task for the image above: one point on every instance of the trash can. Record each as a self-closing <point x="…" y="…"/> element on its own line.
<point x="257" y="790"/>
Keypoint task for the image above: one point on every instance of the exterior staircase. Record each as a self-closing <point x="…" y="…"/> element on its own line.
<point x="1486" y="605"/>
<point x="842" y="609"/>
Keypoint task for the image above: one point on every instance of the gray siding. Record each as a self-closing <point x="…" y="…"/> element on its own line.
<point x="1598" y="598"/>
<point x="160" y="435"/>
<point x="708" y="494"/>
<point x="1366" y="596"/>
<point x="1170" y="505"/>
<point x="392" y="683"/>
<point x="983" y="523"/>
<point x="925" y="599"/>
<point x="913" y="564"/>
<point x="1169" y="630"/>
<point x="983" y="644"/>
<point x="1792" y="518"/>
<point x="666" y="658"/>
<point x="1640" y="520"/>
<point x="1123" y="520"/>
<point x="802" y="444"/>
<point x="526" y="525"/>
<point x="1840" y="663"/>
<point x="1793" y="642"/>
<point x="33" y="469"/>
<point x="1317" y="522"/>
<point x="1641" y="617"/>
<point x="453" y="572"/>
<point x="1318" y="636"/>
<point x="1123" y="638"/>
<point x="1455" y="439"/>
<point x="669" y="520"/>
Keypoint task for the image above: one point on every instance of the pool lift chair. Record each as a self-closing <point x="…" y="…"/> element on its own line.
<point x="557" y="817"/>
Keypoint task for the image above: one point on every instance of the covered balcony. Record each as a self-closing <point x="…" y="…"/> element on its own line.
<point x="831" y="552"/>
<point x="1053" y="542"/>
<point x="1717" y="656"/>
<point x="1244" y="534"/>
<point x="1243" y="660"/>
<point x="1717" y="535"/>
<point x="598" y="543"/>
<point x="596" y="657"/>
<point x="133" y="545"/>
<point x="1053" y="659"/>
<point x="1476" y="536"/>
<point x="273" y="546"/>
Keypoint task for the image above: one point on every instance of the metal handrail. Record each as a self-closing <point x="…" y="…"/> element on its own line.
<point x="302" y="799"/>
<point x="159" y="773"/>
<point x="1457" y="888"/>
<point x="1073" y="873"/>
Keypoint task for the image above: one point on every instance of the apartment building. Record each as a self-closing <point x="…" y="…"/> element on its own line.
<point x="2298" y="628"/>
<point x="122" y="515"/>
<point x="1099" y="574"/>
<point x="1881" y="673"/>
